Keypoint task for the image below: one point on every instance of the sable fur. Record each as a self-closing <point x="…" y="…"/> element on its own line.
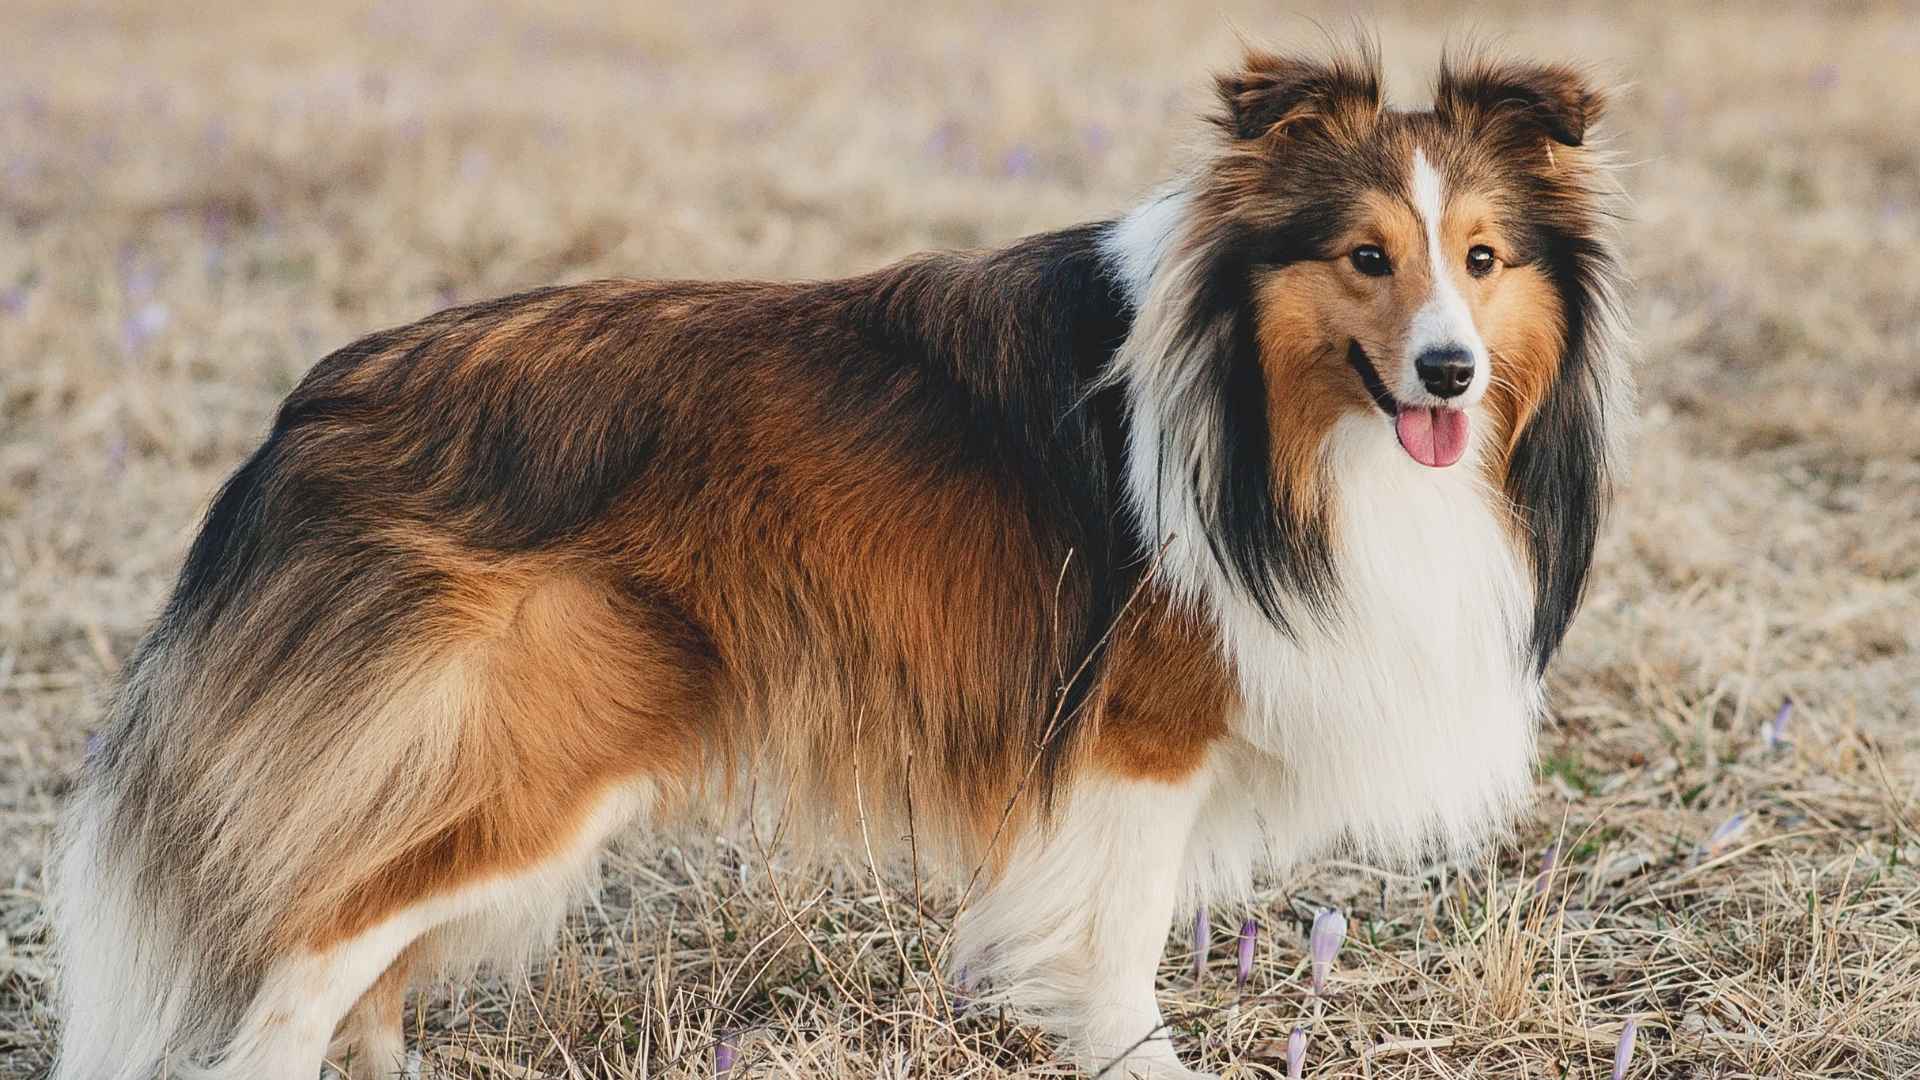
<point x="636" y="504"/>
<point x="1056" y="533"/>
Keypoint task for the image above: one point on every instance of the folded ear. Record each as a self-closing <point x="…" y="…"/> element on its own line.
<point x="1272" y="92"/>
<point x="1539" y="99"/>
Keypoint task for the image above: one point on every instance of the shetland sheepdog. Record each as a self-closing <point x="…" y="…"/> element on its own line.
<point x="1120" y="565"/>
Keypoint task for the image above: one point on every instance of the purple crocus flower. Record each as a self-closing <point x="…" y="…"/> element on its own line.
<point x="1323" y="944"/>
<point x="944" y="138"/>
<point x="1718" y="840"/>
<point x="1547" y="860"/>
<point x="1623" y="1054"/>
<point x="1296" y="1053"/>
<point x="1202" y="934"/>
<point x="1249" y="933"/>
<point x="723" y="1054"/>
<point x="143" y="326"/>
<point x="1777" y="731"/>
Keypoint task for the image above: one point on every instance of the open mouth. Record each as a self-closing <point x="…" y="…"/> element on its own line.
<point x="1434" y="436"/>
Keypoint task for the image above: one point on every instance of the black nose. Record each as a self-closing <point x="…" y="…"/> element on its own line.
<point x="1445" y="371"/>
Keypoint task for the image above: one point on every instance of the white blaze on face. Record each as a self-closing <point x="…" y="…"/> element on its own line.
<point x="1444" y="321"/>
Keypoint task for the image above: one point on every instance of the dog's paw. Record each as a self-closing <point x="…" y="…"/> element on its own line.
<point x="1147" y="1067"/>
<point x="1157" y="1070"/>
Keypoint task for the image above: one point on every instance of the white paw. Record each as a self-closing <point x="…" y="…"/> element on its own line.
<point x="1150" y="1069"/>
<point x="1156" y="1061"/>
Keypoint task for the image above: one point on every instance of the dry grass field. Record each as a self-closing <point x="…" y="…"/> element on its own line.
<point x="198" y="201"/>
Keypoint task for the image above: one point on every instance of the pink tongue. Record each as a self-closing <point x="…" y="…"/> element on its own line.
<point x="1435" y="437"/>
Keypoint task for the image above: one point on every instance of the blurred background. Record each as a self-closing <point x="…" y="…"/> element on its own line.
<point x="199" y="200"/>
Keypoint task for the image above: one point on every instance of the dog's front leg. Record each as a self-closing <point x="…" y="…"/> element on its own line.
<point x="1072" y="930"/>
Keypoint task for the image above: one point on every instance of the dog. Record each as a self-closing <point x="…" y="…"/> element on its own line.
<point x="1138" y="558"/>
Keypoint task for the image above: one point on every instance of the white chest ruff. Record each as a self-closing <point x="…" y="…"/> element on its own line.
<point x="1404" y="725"/>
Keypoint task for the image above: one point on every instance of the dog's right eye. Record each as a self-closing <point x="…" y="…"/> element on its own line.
<point x="1370" y="260"/>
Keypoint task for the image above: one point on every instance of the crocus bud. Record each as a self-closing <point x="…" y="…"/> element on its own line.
<point x="1623" y="1054"/>
<point x="1777" y="731"/>
<point x="1721" y="837"/>
<point x="1296" y="1053"/>
<point x="1249" y="933"/>
<point x="1547" y="860"/>
<point x="1323" y="944"/>
<point x="1202" y="935"/>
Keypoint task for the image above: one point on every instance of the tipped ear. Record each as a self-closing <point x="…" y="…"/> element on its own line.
<point x="1553" y="100"/>
<point x="1272" y="92"/>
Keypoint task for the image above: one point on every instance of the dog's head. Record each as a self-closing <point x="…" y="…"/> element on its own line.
<point x="1441" y="277"/>
<point x="1409" y="264"/>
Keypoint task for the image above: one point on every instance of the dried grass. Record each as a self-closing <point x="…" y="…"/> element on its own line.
<point x="195" y="204"/>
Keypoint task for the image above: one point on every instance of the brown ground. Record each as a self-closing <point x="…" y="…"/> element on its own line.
<point x="195" y="206"/>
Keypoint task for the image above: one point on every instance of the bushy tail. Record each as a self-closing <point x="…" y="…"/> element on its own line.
<point x="203" y="846"/>
<point x="278" y="739"/>
<point x="123" y="987"/>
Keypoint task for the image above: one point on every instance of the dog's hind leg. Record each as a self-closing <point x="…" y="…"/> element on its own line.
<point x="371" y="1043"/>
<point x="356" y="986"/>
<point x="286" y="1031"/>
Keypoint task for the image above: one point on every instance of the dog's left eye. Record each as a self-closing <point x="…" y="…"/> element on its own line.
<point x="1479" y="260"/>
<point x="1370" y="260"/>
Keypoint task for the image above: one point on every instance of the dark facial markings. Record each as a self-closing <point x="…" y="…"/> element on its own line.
<point x="1370" y="378"/>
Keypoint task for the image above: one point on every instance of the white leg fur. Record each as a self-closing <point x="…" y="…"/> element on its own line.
<point x="1073" y="931"/>
<point x="371" y="1053"/>
<point x="285" y="1034"/>
<point x="287" y="1031"/>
